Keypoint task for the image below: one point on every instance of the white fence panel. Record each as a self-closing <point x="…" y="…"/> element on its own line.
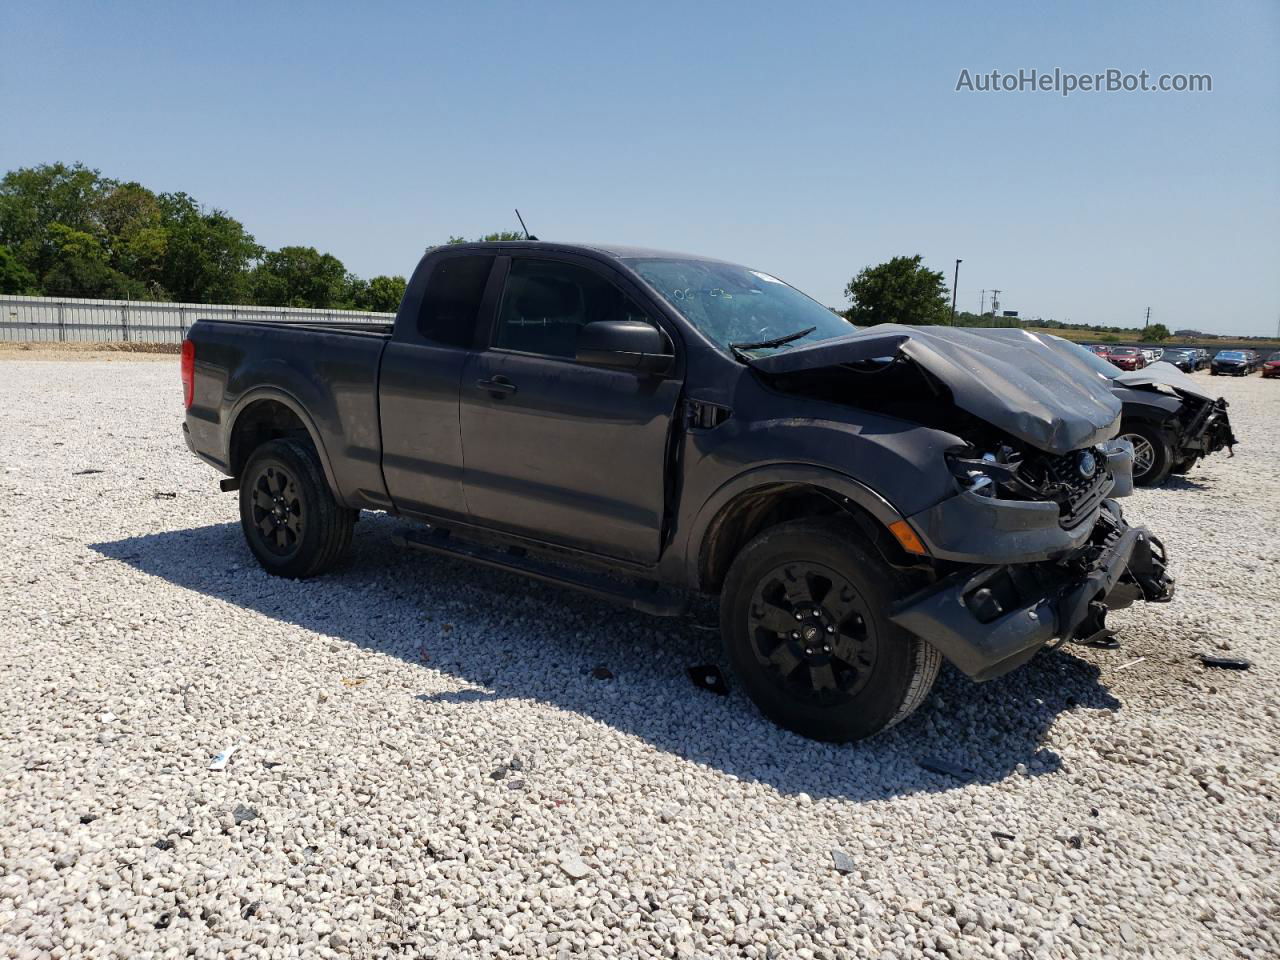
<point x="62" y="319"/>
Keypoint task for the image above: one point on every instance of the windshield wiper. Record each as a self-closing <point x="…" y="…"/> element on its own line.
<point x="739" y="348"/>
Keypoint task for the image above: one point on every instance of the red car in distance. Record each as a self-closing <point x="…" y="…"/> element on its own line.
<point x="1271" y="366"/>
<point x="1127" y="358"/>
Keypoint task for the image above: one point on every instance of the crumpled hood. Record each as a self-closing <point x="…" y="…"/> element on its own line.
<point x="1028" y="387"/>
<point x="1163" y="374"/>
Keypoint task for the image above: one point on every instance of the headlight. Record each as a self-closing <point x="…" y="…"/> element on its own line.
<point x="978" y="475"/>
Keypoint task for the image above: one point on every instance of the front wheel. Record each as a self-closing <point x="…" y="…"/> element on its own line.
<point x="290" y="518"/>
<point x="804" y="618"/>
<point x="1152" y="456"/>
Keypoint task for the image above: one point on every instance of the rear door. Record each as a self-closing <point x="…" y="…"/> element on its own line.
<point x="418" y="386"/>
<point x="564" y="452"/>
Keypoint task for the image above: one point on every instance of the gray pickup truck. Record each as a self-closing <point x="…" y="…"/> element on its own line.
<point x="647" y="425"/>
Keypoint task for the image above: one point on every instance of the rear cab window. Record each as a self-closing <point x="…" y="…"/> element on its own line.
<point x="451" y="303"/>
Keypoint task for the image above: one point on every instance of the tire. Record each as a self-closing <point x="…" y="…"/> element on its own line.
<point x="289" y="516"/>
<point x="1152" y="456"/>
<point x="873" y="673"/>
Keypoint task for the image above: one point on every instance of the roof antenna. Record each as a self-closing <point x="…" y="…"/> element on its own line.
<point x="527" y="234"/>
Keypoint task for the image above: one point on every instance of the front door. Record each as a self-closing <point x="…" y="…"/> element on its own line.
<point x="559" y="451"/>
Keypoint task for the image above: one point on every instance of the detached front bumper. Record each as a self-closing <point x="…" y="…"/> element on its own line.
<point x="990" y="620"/>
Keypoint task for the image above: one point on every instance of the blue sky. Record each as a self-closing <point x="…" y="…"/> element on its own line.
<point x="807" y="139"/>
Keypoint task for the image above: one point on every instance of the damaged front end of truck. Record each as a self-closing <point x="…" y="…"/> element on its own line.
<point x="1030" y="548"/>
<point x="1193" y="423"/>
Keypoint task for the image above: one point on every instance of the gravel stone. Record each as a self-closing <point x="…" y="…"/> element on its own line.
<point x="379" y="832"/>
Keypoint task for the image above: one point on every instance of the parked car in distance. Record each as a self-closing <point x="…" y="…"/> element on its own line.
<point x="1271" y="366"/>
<point x="1232" y="363"/>
<point x="1127" y="358"/>
<point x="1167" y="417"/>
<point x="644" y="425"/>
<point x="1098" y="349"/>
<point x="1186" y="359"/>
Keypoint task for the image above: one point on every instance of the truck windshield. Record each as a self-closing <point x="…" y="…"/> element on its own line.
<point x="731" y="304"/>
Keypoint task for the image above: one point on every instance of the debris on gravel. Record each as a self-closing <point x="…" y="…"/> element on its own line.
<point x="709" y="677"/>
<point x="843" y="862"/>
<point x="948" y="769"/>
<point x="1102" y="812"/>
<point x="1227" y="663"/>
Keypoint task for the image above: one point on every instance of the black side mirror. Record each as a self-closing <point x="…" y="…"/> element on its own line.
<point x="625" y="345"/>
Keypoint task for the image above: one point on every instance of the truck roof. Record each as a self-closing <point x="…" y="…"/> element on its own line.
<point x="611" y="250"/>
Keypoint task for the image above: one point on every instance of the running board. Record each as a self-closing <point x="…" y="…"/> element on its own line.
<point x="638" y="595"/>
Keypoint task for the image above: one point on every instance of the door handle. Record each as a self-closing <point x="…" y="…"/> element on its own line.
<point x="497" y="385"/>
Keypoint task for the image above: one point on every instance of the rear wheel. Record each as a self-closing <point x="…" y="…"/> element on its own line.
<point x="804" y="617"/>
<point x="290" y="518"/>
<point x="1152" y="456"/>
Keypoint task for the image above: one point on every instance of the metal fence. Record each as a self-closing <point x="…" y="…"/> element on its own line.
<point x="61" y="319"/>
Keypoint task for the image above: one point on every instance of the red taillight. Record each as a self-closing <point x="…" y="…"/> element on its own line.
<point x="188" y="373"/>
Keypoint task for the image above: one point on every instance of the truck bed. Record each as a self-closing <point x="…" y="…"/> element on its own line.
<point x="324" y="374"/>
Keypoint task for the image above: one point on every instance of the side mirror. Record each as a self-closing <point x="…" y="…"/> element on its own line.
<point x="625" y="345"/>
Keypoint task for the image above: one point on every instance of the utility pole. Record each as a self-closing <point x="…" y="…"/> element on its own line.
<point x="955" y="286"/>
<point x="982" y="303"/>
<point x="1147" y="322"/>
<point x="995" y="305"/>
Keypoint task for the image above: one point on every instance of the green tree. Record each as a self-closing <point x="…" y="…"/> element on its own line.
<point x="300" y="277"/>
<point x="382" y="294"/>
<point x="899" y="291"/>
<point x="65" y="230"/>
<point x="33" y="199"/>
<point x="494" y="237"/>
<point x="136" y="236"/>
<point x="206" y="254"/>
<point x="14" y="277"/>
<point x="1156" y="332"/>
<point x="78" y="266"/>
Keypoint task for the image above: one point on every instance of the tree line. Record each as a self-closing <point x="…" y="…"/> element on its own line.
<point x="68" y="231"/>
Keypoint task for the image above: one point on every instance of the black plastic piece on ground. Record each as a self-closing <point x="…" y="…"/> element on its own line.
<point x="1105" y="642"/>
<point x="709" y="677"/>
<point x="229" y="484"/>
<point x="1226" y="663"/>
<point x="948" y="769"/>
<point x="647" y="598"/>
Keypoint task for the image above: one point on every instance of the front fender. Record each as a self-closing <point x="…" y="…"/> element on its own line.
<point x="800" y="474"/>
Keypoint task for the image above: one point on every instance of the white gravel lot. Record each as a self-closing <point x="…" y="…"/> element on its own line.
<point x="426" y="766"/>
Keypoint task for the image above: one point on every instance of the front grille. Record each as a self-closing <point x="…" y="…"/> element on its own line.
<point x="1059" y="479"/>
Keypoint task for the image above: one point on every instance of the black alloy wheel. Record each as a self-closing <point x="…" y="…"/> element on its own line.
<point x="291" y="520"/>
<point x="277" y="511"/>
<point x="805" y="620"/>
<point x="810" y="629"/>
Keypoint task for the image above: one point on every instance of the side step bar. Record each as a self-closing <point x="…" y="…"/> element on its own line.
<point x="638" y="595"/>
